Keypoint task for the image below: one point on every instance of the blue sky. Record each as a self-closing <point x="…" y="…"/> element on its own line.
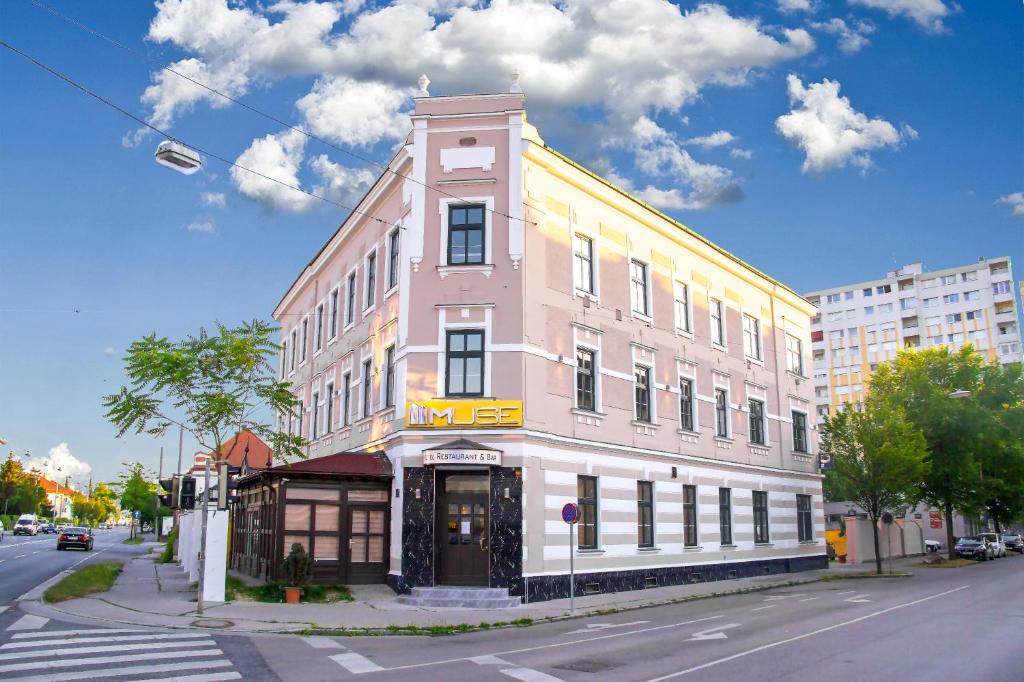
<point x="97" y="249"/>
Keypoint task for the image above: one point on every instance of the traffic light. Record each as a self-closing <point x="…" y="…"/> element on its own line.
<point x="227" y="485"/>
<point x="167" y="498"/>
<point x="187" y="499"/>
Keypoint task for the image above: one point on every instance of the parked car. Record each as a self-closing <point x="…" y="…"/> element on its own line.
<point x="999" y="549"/>
<point x="75" y="537"/>
<point x="1014" y="542"/>
<point x="974" y="548"/>
<point x="27" y="524"/>
<point x="932" y="545"/>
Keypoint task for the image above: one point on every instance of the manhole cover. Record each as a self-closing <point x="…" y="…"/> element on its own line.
<point x="588" y="666"/>
<point x="213" y="624"/>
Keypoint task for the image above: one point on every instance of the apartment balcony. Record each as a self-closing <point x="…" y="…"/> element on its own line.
<point x="1006" y="315"/>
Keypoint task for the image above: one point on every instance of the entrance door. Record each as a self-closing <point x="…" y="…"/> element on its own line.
<point x="366" y="544"/>
<point x="462" y="530"/>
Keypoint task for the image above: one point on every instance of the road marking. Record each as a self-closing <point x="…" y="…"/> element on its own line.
<point x="604" y="626"/>
<point x="66" y="650"/>
<point x="858" y="599"/>
<point x="489" y="660"/>
<point x="762" y="608"/>
<point x="29" y="622"/>
<point x="323" y="643"/>
<point x="3" y="608"/>
<point x="846" y="592"/>
<point x="131" y="670"/>
<point x="19" y="556"/>
<point x="54" y="664"/>
<point x="780" y="597"/>
<point x="213" y="677"/>
<point x="51" y="633"/>
<point x="810" y="599"/>
<point x="529" y="675"/>
<point x="357" y="664"/>
<point x="61" y="640"/>
<point x="712" y="633"/>
<point x="819" y="631"/>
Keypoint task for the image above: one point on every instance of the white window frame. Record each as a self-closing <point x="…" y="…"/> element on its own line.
<point x="329" y="407"/>
<point x="314" y="403"/>
<point x="595" y="262"/>
<point x="686" y="328"/>
<point x="488" y="203"/>
<point x="334" y="315"/>
<point x="370" y="304"/>
<point x="304" y="333"/>
<point x="365" y="405"/>
<point x="728" y="411"/>
<point x="294" y="336"/>
<point x="758" y="357"/>
<point x="351" y="297"/>
<point x="712" y="301"/>
<point x="595" y="350"/>
<point x="648" y="303"/>
<point x="318" y="326"/>
<point x="396" y="275"/>
<point x="799" y="371"/>
<point x="807" y="432"/>
<point x="688" y="371"/>
<point x="760" y="395"/>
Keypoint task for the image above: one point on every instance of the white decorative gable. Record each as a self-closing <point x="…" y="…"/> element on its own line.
<point x="467" y="157"/>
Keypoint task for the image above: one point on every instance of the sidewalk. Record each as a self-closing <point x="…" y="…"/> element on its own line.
<point x="159" y="595"/>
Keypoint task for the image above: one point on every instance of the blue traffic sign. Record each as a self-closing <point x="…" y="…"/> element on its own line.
<point x="136" y="514"/>
<point x="570" y="513"/>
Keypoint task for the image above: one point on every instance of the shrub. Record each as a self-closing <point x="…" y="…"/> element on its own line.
<point x="297" y="566"/>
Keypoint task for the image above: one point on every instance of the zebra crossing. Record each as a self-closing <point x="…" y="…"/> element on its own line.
<point x="29" y="652"/>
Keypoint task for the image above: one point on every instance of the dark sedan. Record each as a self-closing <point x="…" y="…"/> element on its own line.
<point x="1014" y="542"/>
<point x="75" y="537"/>
<point x="973" y="548"/>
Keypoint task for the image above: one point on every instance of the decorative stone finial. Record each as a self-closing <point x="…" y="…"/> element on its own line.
<point x="424" y="82"/>
<point x="515" y="87"/>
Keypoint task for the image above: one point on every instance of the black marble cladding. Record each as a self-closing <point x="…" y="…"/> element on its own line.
<point x="417" y="530"/>
<point x="506" y="529"/>
<point x="543" y="588"/>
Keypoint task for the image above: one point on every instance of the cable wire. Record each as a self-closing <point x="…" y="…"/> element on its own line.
<point x="384" y="167"/>
<point x="132" y="116"/>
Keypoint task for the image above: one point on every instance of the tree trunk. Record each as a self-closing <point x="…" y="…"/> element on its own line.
<point x="995" y="520"/>
<point x="950" y="549"/>
<point x="878" y="556"/>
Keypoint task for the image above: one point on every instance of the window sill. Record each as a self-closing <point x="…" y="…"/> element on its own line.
<point x="390" y="292"/>
<point x="485" y="269"/>
<point x="727" y="547"/>
<point x="723" y="439"/>
<point x="764" y="544"/>
<point x="348" y="327"/>
<point x="756" y="361"/>
<point x="797" y="375"/>
<point x="685" y="333"/>
<point x="643" y="317"/>
<point x="368" y="309"/>
<point x="688" y="432"/>
<point x="646" y="425"/>
<point x="588" y="413"/>
<point x="648" y="550"/>
<point x="718" y="346"/>
<point x="594" y="298"/>
<point x="692" y="549"/>
<point x="585" y="552"/>
<point x="809" y="542"/>
<point x="363" y="420"/>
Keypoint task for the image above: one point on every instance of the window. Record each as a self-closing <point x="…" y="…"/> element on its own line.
<point x="350" y="299"/>
<point x="371" y="278"/>
<point x="834" y="298"/>
<point x="972" y="295"/>
<point x="305" y="337"/>
<point x="794" y="355"/>
<point x="318" y="341"/>
<point x="1001" y="288"/>
<point x="284" y="357"/>
<point x="329" y="408"/>
<point x="367" y="387"/>
<point x="644" y="514"/>
<point x="465" y="235"/>
<point x="346" y="398"/>
<point x="931" y="302"/>
<point x="851" y="313"/>
<point x="721" y="413"/>
<point x="334" y="314"/>
<point x="867" y="292"/>
<point x="760" y="516"/>
<point x="585" y="370"/>
<point x="974" y="315"/>
<point x="389" y="377"/>
<point x="869" y="310"/>
<point x="583" y="263"/>
<point x="717" y="322"/>
<point x="689" y="515"/>
<point x="848" y="295"/>
<point x="686" y="404"/>
<point x="908" y="303"/>
<point x="884" y="289"/>
<point x="951" y="298"/>
<point x="465" y="363"/>
<point x="682" y="307"/>
<point x="834" y="316"/>
<point x="393" y="259"/>
<point x="885" y="308"/>
<point x="756" y="422"/>
<point x="294" y="344"/>
<point x="316" y="415"/>
<point x="638" y="286"/>
<point x="799" y="431"/>
<point x="586" y="499"/>
<point x="725" y="516"/>
<point x="642" y="393"/>
<point x="954" y="317"/>
<point x="948" y="279"/>
<point x="302" y="418"/>
<point x="929" y="283"/>
<point x="969" y="276"/>
<point x="752" y="337"/>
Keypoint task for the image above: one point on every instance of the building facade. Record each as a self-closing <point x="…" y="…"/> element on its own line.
<point x="861" y="325"/>
<point x="516" y="333"/>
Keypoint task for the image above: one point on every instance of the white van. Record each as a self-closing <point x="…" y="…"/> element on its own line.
<point x="27" y="524"/>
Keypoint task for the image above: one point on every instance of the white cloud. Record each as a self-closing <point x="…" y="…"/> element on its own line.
<point x="928" y="14"/>
<point x="338" y="183"/>
<point x="110" y="351"/>
<point x="357" y="113"/>
<point x="796" y="5"/>
<point x="213" y="199"/>
<point x="58" y="463"/>
<point x="851" y="37"/>
<point x="738" y="153"/>
<point x="718" y="138"/>
<point x="1015" y="201"/>
<point x="207" y="226"/>
<point x="830" y="132"/>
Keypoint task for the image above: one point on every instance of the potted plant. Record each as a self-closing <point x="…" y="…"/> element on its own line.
<point x="296" y="566"/>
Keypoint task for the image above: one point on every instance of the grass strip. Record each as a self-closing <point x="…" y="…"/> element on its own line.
<point x="98" y="577"/>
<point x="132" y="541"/>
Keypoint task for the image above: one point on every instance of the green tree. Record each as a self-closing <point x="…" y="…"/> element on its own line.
<point x="878" y="461"/>
<point x="999" y="403"/>
<point x="87" y="511"/>
<point x="137" y="493"/>
<point x="20" y="489"/>
<point x="106" y="498"/>
<point x="213" y="386"/>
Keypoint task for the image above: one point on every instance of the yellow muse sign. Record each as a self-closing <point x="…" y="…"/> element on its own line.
<point x="440" y="413"/>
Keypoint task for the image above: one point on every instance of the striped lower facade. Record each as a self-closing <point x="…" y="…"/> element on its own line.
<point x="655" y="518"/>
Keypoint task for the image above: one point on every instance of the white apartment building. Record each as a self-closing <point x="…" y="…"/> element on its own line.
<point x="860" y="325"/>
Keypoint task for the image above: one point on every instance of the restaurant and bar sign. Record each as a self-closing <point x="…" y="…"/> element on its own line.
<point x="460" y="456"/>
<point x="446" y="414"/>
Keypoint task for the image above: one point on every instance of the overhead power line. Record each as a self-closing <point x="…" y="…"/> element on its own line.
<point x="271" y="117"/>
<point x="135" y="118"/>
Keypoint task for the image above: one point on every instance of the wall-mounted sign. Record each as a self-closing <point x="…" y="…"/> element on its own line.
<point x="462" y="456"/>
<point x="461" y="414"/>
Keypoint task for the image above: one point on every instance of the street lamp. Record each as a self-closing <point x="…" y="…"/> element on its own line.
<point x="960" y="393"/>
<point x="178" y="157"/>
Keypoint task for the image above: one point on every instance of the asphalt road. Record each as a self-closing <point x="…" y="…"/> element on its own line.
<point x="942" y="624"/>
<point x="27" y="561"/>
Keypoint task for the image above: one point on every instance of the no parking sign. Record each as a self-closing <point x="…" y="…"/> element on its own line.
<point x="570" y="513"/>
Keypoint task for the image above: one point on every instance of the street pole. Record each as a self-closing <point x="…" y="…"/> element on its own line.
<point x="202" y="537"/>
<point x="156" y="499"/>
<point x="181" y="435"/>
<point x="572" y="574"/>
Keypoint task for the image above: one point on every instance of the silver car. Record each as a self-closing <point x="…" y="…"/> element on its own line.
<point x="998" y="548"/>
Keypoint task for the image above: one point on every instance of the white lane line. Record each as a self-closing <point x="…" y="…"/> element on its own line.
<point x="108" y="649"/>
<point x="846" y="592"/>
<point x="160" y="655"/>
<point x="3" y="608"/>
<point x="713" y="633"/>
<point x="323" y="643"/>
<point x="131" y="670"/>
<point x="212" y="677"/>
<point x="489" y="660"/>
<point x="593" y="627"/>
<point x="19" y="556"/>
<point x="77" y="641"/>
<point x="529" y="675"/>
<point x="809" y="599"/>
<point x="819" y="631"/>
<point x="762" y="608"/>
<point x="858" y="599"/>
<point x="357" y="664"/>
<point x="65" y="633"/>
<point x="28" y="622"/>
